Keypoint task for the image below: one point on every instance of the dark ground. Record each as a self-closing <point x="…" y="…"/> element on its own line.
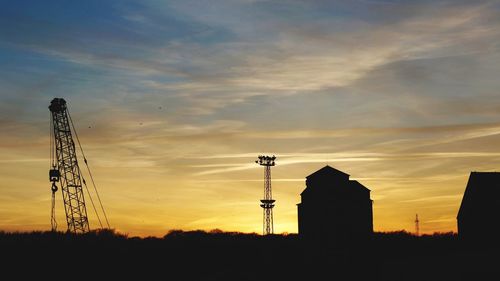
<point x="215" y="255"/>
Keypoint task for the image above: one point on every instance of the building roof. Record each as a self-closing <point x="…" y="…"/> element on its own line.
<point x="329" y="173"/>
<point x="327" y="170"/>
<point x="483" y="189"/>
<point x="357" y="185"/>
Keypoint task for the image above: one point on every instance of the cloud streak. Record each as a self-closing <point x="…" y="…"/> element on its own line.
<point x="174" y="100"/>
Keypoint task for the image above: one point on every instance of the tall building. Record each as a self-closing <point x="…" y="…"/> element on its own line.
<point x="335" y="208"/>
<point x="479" y="211"/>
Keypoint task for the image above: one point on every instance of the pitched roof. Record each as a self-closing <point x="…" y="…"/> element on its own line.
<point x="327" y="170"/>
<point x="356" y="184"/>
<point x="482" y="188"/>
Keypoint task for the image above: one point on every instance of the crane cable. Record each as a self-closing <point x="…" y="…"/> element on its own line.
<point x="92" y="201"/>
<point x="83" y="179"/>
<point x="53" y="221"/>
<point x="51" y="156"/>
<point x="91" y="177"/>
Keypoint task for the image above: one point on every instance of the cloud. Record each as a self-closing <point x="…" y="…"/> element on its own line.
<point x="177" y="98"/>
<point x="210" y="76"/>
<point x="298" y="159"/>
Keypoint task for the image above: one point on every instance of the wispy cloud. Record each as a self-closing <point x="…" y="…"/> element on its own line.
<point x="439" y="198"/>
<point x="304" y="158"/>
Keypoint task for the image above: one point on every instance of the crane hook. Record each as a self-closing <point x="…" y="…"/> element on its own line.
<point x="54" y="187"/>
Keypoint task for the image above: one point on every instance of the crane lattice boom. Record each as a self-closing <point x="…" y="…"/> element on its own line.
<point x="66" y="164"/>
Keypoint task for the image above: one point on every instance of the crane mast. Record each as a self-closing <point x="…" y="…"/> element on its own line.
<point x="66" y="170"/>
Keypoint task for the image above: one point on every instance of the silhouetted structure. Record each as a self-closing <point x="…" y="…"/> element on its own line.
<point x="268" y="201"/>
<point x="66" y="170"/>
<point x="335" y="208"/>
<point x="417" y="225"/>
<point x="480" y="209"/>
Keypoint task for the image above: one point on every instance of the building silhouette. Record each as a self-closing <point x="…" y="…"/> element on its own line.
<point x="479" y="211"/>
<point x="335" y="208"/>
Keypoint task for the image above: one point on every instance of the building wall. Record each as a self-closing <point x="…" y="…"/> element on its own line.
<point x="479" y="211"/>
<point x="335" y="215"/>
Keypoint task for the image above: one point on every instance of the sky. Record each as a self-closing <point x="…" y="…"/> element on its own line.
<point x="174" y="100"/>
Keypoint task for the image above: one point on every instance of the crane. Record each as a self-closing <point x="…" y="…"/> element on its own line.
<point x="65" y="170"/>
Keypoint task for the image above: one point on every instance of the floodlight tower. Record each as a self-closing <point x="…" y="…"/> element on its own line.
<point x="268" y="202"/>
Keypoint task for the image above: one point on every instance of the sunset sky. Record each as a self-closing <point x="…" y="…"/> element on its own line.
<point x="174" y="100"/>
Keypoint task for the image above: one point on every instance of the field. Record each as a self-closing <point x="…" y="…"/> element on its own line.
<point x="216" y="255"/>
